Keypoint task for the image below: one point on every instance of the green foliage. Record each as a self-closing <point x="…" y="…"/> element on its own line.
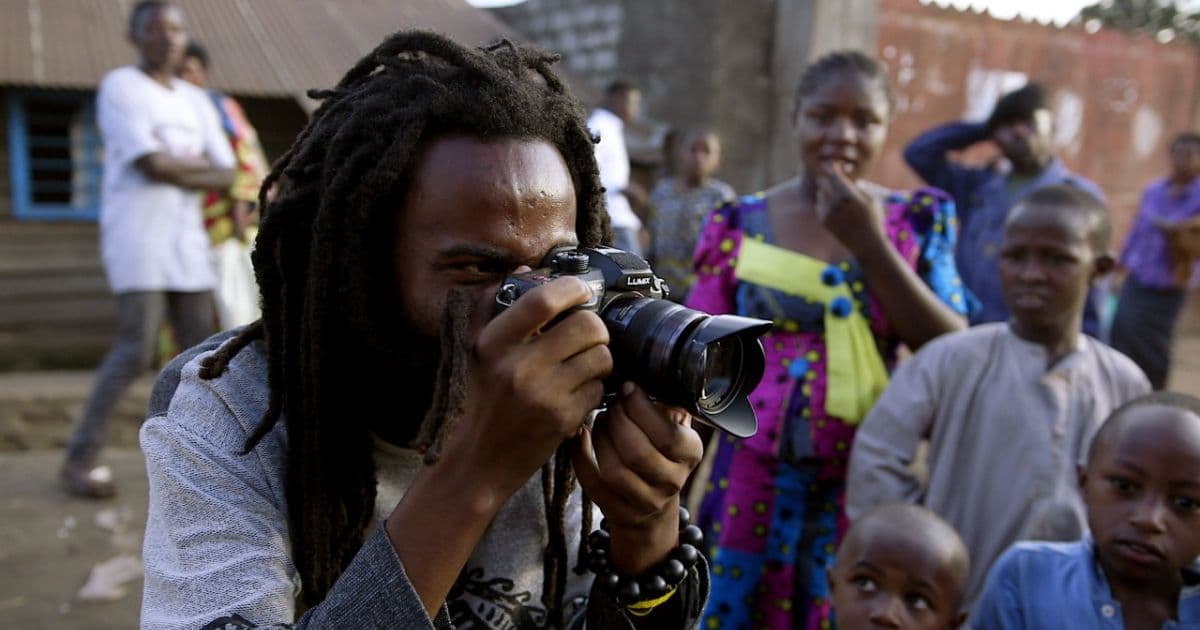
<point x="1164" y="19"/>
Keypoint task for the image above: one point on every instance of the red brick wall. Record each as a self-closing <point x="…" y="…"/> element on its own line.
<point x="1120" y="99"/>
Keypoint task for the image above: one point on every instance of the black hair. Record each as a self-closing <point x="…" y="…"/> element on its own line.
<point x="1186" y="137"/>
<point x="141" y="9"/>
<point x="838" y="64"/>
<point x="1073" y="199"/>
<point x="921" y="523"/>
<point x="1018" y="105"/>
<point x="1117" y="418"/>
<point x="197" y="51"/>
<point x="695" y="133"/>
<point x="319" y="254"/>
<point x="618" y="87"/>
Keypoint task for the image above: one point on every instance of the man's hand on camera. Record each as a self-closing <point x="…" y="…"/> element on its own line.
<point x="527" y="391"/>
<point x="530" y="389"/>
<point x="633" y="464"/>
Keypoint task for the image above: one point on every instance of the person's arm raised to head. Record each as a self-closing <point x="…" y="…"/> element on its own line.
<point x="929" y="156"/>
<point x="856" y="218"/>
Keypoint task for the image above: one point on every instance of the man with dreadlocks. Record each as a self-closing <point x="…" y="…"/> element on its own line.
<point x="368" y="453"/>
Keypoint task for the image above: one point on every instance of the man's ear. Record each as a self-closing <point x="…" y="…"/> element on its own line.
<point x="1081" y="476"/>
<point x="1102" y="265"/>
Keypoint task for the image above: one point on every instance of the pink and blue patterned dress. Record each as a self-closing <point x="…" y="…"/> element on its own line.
<point x="773" y="505"/>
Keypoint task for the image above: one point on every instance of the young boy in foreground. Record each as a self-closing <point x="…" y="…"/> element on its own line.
<point x="1136" y="569"/>
<point x="900" y="566"/>
<point x="1008" y="408"/>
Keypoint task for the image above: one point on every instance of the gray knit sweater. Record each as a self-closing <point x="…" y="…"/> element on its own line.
<point x="218" y="554"/>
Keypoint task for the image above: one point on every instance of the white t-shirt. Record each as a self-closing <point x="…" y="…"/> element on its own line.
<point x="152" y="234"/>
<point x="613" y="160"/>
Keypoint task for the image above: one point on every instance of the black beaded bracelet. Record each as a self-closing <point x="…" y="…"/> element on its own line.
<point x="658" y="580"/>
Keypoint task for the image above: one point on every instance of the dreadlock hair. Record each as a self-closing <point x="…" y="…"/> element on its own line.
<point x="839" y="64"/>
<point x="339" y="186"/>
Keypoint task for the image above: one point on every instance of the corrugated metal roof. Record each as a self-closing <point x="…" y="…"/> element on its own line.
<point x="258" y="47"/>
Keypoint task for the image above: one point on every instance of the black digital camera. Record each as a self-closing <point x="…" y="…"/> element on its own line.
<point x="707" y="364"/>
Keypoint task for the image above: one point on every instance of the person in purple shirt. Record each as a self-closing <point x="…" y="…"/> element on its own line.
<point x="1155" y="286"/>
<point x="1021" y="127"/>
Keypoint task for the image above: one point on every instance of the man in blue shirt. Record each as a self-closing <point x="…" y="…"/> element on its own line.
<point x="1020" y="125"/>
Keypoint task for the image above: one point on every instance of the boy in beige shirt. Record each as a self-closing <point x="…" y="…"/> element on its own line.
<point x="1008" y="408"/>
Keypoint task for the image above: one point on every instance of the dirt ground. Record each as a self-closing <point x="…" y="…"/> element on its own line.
<point x="50" y="543"/>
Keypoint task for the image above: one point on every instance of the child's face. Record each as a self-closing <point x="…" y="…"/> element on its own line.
<point x="701" y="156"/>
<point x="892" y="579"/>
<point x="1142" y="489"/>
<point x="1046" y="267"/>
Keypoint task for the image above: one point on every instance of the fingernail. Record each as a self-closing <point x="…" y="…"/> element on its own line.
<point x="627" y="388"/>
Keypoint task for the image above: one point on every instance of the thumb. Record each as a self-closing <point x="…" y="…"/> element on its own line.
<point x="587" y="468"/>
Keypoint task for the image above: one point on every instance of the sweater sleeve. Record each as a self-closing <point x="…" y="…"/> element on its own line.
<point x="217" y="551"/>
<point x="929" y="156"/>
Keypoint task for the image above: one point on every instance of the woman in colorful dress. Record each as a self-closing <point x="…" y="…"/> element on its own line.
<point x="848" y="271"/>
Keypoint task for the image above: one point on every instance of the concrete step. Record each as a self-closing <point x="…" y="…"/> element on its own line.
<point x="39" y="410"/>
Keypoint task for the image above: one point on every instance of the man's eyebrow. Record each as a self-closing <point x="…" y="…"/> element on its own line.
<point x="477" y="251"/>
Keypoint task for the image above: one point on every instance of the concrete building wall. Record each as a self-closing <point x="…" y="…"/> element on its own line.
<point x="726" y="64"/>
<point x="586" y="32"/>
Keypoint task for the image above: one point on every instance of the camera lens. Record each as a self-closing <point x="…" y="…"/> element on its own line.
<point x="722" y="365"/>
<point x="706" y="364"/>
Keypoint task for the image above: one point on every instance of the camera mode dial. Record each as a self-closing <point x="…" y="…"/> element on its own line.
<point x="572" y="262"/>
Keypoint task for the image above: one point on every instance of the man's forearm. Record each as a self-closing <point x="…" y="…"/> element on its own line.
<point x="216" y="179"/>
<point x="954" y="136"/>
<point x="927" y="153"/>
<point x="186" y="172"/>
<point x="435" y="528"/>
